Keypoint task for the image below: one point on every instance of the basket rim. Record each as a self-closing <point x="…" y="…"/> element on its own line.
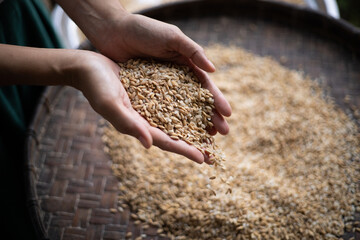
<point x="323" y="24"/>
<point x="32" y="201"/>
<point x="290" y="11"/>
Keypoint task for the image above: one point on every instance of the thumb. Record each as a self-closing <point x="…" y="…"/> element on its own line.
<point x="129" y="122"/>
<point x="190" y="49"/>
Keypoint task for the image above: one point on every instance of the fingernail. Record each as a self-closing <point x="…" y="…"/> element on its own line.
<point x="201" y="161"/>
<point x="212" y="65"/>
<point x="143" y="141"/>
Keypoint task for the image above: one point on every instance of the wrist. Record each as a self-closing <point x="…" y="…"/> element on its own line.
<point x="72" y="67"/>
<point x="95" y="18"/>
<point x="38" y="66"/>
<point x="111" y="33"/>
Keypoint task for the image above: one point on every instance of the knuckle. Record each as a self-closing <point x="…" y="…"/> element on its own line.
<point x="198" y="51"/>
<point x="175" y="35"/>
<point x="167" y="145"/>
<point x="176" y="30"/>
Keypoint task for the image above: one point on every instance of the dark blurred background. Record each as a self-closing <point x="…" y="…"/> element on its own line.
<point x="350" y="11"/>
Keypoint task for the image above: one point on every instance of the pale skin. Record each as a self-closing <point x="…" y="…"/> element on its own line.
<point x="119" y="36"/>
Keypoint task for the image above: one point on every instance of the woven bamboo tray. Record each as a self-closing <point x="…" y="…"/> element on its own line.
<point x="71" y="187"/>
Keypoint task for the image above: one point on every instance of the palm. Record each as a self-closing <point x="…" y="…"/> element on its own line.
<point x="104" y="91"/>
<point x="139" y="36"/>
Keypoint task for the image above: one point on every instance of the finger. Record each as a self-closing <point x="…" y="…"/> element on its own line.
<point x="160" y="138"/>
<point x="163" y="141"/>
<point x="207" y="160"/>
<point x="128" y="121"/>
<point x="220" y="102"/>
<point x="212" y="131"/>
<point x="220" y="123"/>
<point x="190" y="49"/>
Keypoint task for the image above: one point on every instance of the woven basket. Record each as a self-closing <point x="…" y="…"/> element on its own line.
<point x="70" y="183"/>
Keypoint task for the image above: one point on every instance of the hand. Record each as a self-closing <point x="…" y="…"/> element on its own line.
<point x="135" y="35"/>
<point x="120" y="36"/>
<point x="139" y="36"/>
<point x="99" y="81"/>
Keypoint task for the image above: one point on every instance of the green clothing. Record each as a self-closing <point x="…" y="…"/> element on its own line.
<point x="24" y="23"/>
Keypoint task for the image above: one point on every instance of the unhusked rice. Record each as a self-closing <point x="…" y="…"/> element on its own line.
<point x="292" y="155"/>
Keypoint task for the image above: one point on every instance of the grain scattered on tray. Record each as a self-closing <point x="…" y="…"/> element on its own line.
<point x="293" y="156"/>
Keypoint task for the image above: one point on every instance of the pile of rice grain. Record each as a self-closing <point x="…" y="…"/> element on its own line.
<point x="170" y="97"/>
<point x="292" y="155"/>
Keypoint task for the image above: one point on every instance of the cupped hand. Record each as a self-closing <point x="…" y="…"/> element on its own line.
<point x="133" y="36"/>
<point x="120" y="36"/>
<point x="99" y="81"/>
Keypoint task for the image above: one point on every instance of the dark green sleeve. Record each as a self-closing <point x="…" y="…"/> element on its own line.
<point x="25" y="23"/>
